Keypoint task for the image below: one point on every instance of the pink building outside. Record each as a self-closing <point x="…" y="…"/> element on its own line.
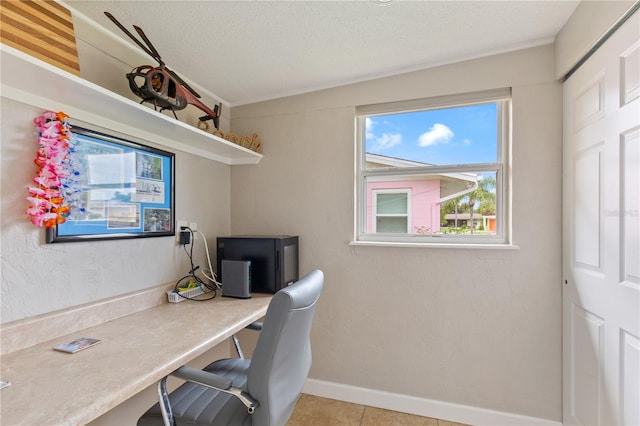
<point x="412" y="206"/>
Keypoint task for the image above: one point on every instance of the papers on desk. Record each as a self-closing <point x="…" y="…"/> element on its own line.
<point x="77" y="345"/>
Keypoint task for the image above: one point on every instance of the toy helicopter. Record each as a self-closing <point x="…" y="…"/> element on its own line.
<point x="161" y="86"/>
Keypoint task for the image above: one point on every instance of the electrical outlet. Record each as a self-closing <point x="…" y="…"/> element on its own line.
<point x="194" y="228"/>
<point x="179" y="224"/>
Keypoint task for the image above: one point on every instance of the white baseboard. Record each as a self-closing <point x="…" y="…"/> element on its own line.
<point x="420" y="406"/>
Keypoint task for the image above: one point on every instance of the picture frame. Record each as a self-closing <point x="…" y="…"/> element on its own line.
<point x="117" y="189"/>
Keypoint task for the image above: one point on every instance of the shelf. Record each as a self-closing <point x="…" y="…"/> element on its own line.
<point x="31" y="81"/>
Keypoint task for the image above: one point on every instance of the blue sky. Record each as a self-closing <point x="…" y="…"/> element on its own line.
<point x="458" y="135"/>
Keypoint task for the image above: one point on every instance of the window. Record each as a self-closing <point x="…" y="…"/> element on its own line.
<point x="391" y="211"/>
<point x="434" y="170"/>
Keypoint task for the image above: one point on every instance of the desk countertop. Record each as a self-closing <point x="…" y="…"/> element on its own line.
<point x="51" y="387"/>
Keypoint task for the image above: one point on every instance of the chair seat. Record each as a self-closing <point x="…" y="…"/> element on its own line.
<point x="194" y="404"/>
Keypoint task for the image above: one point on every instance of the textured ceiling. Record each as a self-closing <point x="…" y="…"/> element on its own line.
<point x="246" y="51"/>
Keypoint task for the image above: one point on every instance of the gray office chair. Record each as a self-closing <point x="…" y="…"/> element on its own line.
<point x="262" y="391"/>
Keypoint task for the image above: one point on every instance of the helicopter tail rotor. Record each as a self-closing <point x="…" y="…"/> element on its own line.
<point x="217" y="110"/>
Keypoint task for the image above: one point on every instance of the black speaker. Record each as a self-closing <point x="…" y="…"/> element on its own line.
<point x="236" y="279"/>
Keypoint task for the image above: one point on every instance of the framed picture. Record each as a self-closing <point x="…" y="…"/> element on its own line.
<point x="116" y="189"/>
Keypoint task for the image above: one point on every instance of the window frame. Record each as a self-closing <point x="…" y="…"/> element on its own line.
<point x="502" y="169"/>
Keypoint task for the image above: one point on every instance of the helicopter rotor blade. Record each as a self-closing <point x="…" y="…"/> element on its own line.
<point x="150" y="50"/>
<point x="131" y="36"/>
<point x="155" y="55"/>
<point x="183" y="83"/>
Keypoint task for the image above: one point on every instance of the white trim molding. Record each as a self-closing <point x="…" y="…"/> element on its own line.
<point x="421" y="406"/>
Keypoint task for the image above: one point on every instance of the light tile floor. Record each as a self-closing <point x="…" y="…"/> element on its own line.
<point x="314" y="410"/>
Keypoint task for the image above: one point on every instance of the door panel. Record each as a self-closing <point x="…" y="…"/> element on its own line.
<point x="630" y="220"/>
<point x="587" y="331"/>
<point x="630" y="379"/>
<point x="630" y="77"/>
<point x="587" y="208"/>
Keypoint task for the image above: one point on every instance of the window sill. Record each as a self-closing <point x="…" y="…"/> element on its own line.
<point x="491" y="246"/>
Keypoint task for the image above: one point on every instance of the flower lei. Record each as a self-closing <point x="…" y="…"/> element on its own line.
<point x="46" y="200"/>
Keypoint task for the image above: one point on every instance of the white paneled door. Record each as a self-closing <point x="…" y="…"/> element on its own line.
<point x="601" y="308"/>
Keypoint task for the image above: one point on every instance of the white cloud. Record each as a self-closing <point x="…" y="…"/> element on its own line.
<point x="382" y="142"/>
<point x="438" y="133"/>
<point x="369" y="124"/>
<point x="386" y="141"/>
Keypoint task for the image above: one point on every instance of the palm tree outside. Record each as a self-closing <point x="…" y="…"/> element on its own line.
<point x="483" y="196"/>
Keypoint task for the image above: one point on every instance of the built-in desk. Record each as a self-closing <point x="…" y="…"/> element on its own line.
<point x="50" y="387"/>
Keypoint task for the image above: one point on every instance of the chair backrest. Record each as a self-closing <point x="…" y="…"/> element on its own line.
<point x="282" y="357"/>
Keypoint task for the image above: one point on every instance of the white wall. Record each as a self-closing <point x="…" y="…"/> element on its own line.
<point x="471" y="327"/>
<point x="587" y="24"/>
<point x="38" y="277"/>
